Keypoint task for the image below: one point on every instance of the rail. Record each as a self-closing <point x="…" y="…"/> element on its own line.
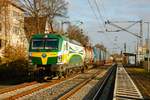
<point x="106" y="89"/>
<point x="73" y="91"/>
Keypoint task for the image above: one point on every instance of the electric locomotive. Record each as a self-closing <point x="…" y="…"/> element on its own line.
<point x="55" y="55"/>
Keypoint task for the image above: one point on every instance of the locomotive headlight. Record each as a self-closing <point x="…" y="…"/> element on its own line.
<point x="30" y="60"/>
<point x="46" y="36"/>
<point x="30" y="54"/>
<point x="60" y="58"/>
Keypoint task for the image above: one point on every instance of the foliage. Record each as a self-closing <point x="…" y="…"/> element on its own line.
<point x="13" y="70"/>
<point x="100" y="46"/>
<point x="15" y="62"/>
<point x="74" y="32"/>
<point x="13" y="53"/>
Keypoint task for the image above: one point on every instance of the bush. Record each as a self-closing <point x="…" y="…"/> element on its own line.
<point x="13" y="53"/>
<point x="14" y="70"/>
<point x="15" y="62"/>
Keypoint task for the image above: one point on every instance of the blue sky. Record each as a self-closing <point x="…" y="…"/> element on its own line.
<point x="113" y="10"/>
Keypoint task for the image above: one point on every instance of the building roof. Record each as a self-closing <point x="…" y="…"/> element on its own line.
<point x="14" y="3"/>
<point x="129" y="54"/>
<point x="17" y="5"/>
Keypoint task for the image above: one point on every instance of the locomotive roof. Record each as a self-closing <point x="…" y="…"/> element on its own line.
<point x="75" y="42"/>
<point x="35" y="36"/>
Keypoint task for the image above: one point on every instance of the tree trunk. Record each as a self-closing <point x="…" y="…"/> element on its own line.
<point x="51" y="26"/>
<point x="38" y="27"/>
<point x="37" y="30"/>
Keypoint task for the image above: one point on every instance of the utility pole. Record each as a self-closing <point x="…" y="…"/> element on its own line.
<point x="115" y="44"/>
<point x="125" y="47"/>
<point x="137" y="52"/>
<point x="62" y="25"/>
<point x="141" y="33"/>
<point x="140" y="49"/>
<point x="148" y="47"/>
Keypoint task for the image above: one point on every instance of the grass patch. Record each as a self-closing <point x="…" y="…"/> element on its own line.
<point x="139" y="71"/>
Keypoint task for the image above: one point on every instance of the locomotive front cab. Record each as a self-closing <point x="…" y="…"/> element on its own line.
<point x="44" y="50"/>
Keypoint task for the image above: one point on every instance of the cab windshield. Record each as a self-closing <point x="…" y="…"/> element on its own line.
<point x="50" y="44"/>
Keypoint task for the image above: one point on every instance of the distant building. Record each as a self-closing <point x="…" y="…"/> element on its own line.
<point x="12" y="27"/>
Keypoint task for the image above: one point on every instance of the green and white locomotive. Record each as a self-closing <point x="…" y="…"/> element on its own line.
<point x="53" y="54"/>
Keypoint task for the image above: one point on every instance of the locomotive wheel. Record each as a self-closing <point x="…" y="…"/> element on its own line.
<point x="82" y="70"/>
<point x="66" y="72"/>
<point x="39" y="75"/>
<point x="47" y="78"/>
<point x="59" y="74"/>
<point x="36" y="75"/>
<point x="86" y="67"/>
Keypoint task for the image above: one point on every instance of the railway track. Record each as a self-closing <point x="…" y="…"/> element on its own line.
<point x="106" y="88"/>
<point x="10" y="92"/>
<point x="54" y="89"/>
<point x="118" y="86"/>
<point x="115" y="83"/>
<point x="21" y="90"/>
<point x="5" y="90"/>
<point x="29" y="90"/>
<point x="81" y="85"/>
<point x="60" y="90"/>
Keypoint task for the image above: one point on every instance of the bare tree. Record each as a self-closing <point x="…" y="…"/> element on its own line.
<point x="74" y="32"/>
<point x="101" y="46"/>
<point x="56" y="8"/>
<point x="44" y="8"/>
<point x="34" y="9"/>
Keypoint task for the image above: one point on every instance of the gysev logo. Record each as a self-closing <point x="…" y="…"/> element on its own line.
<point x="44" y="55"/>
